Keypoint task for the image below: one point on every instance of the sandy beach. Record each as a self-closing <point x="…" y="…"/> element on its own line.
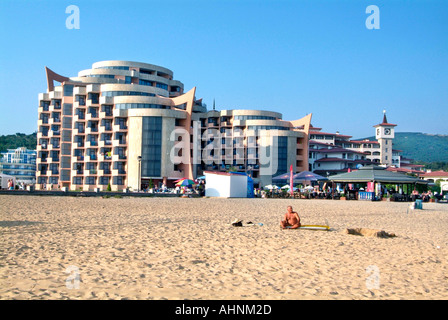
<point x="177" y="248"/>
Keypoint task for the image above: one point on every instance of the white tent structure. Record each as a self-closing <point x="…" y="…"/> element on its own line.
<point x="4" y="180"/>
<point x="225" y="185"/>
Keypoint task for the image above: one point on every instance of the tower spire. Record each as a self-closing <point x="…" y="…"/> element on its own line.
<point x="384" y="117"/>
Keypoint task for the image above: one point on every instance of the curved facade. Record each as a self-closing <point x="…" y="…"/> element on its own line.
<point x="122" y="123"/>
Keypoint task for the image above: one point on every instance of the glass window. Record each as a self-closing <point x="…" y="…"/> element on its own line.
<point x="68" y="90"/>
<point x="151" y="147"/>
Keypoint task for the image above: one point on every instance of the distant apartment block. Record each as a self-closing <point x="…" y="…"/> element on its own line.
<point x="19" y="163"/>
<point x="125" y="123"/>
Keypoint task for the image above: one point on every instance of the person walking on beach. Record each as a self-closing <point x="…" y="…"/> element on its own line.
<point x="291" y="219"/>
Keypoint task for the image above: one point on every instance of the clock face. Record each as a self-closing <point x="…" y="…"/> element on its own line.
<point x="387" y="131"/>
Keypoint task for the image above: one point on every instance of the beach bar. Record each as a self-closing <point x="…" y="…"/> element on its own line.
<point x="374" y="177"/>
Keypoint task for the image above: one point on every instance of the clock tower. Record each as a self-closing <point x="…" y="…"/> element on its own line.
<point x="385" y="134"/>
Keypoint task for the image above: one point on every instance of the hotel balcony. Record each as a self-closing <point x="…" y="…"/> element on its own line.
<point x="79" y="91"/>
<point x="119" y="143"/>
<point x="93" y="88"/>
<point x="53" y="133"/>
<point x="77" y="104"/>
<point x="41" y="147"/>
<point x="104" y="172"/>
<point x="104" y="157"/>
<point x="105" y="143"/>
<point x="41" y="122"/>
<point x="92" y="130"/>
<point x="103" y="129"/>
<point x="41" y="109"/>
<point x="54" y="121"/>
<point x="41" y="134"/>
<point x="106" y="100"/>
<point x="77" y="159"/>
<point x="90" y="172"/>
<point x="91" y="144"/>
<point x="104" y="114"/>
<point x="252" y="157"/>
<point x="79" y="117"/>
<point x="52" y="146"/>
<point x="92" y="102"/>
<point x="55" y="95"/>
<point x="118" y="172"/>
<point x="92" y="116"/>
<point x="91" y="158"/>
<point x="79" y="131"/>
<point x="44" y="96"/>
<point x="52" y="173"/>
<point x="117" y="157"/>
<point x="56" y="107"/>
<point x="118" y="128"/>
<point x="227" y="134"/>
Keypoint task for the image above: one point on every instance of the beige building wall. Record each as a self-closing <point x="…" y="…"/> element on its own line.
<point x="134" y="151"/>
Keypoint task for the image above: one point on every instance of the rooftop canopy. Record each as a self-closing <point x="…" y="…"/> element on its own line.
<point x="375" y="174"/>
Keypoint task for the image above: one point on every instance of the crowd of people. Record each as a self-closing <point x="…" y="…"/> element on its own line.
<point x="16" y="186"/>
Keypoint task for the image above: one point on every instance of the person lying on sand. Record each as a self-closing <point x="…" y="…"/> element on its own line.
<point x="291" y="219"/>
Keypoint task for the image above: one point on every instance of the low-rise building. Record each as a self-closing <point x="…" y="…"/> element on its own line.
<point x="19" y="163"/>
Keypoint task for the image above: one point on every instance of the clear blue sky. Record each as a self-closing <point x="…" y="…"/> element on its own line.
<point x="295" y="57"/>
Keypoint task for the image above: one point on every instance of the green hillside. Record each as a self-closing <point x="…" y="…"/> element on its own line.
<point x="421" y="147"/>
<point x="14" y="141"/>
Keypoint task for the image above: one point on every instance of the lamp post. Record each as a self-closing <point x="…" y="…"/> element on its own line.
<point x="139" y="158"/>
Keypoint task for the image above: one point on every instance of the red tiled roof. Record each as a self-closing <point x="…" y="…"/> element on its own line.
<point x="402" y="170"/>
<point x="328" y="134"/>
<point x="363" y="141"/>
<point x="320" y="143"/>
<point x="439" y="173"/>
<point x="336" y="149"/>
<point x="342" y="160"/>
<point x="386" y="124"/>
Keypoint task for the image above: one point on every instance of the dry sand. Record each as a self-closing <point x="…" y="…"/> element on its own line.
<point x="175" y="248"/>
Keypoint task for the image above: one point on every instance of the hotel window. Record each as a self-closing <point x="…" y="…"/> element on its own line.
<point x="103" y="181"/>
<point x="151" y="146"/>
<point x="54" y="180"/>
<point x="118" y="180"/>
<point x="126" y="93"/>
<point x="90" y="180"/>
<point x="77" y="180"/>
<point x="114" y="67"/>
<point x="95" y="97"/>
<point x="145" y="82"/>
<point x="161" y="86"/>
<point x="68" y="90"/>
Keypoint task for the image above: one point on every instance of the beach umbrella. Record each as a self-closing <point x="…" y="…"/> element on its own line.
<point x="305" y="176"/>
<point x="185" y="183"/>
<point x="200" y="178"/>
<point x="270" y="187"/>
<point x="287" y="186"/>
<point x="284" y="176"/>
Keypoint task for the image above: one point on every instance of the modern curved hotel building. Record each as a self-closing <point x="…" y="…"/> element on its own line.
<point x="123" y="123"/>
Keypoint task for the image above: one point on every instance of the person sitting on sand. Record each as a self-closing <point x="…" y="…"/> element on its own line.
<point x="291" y="219"/>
